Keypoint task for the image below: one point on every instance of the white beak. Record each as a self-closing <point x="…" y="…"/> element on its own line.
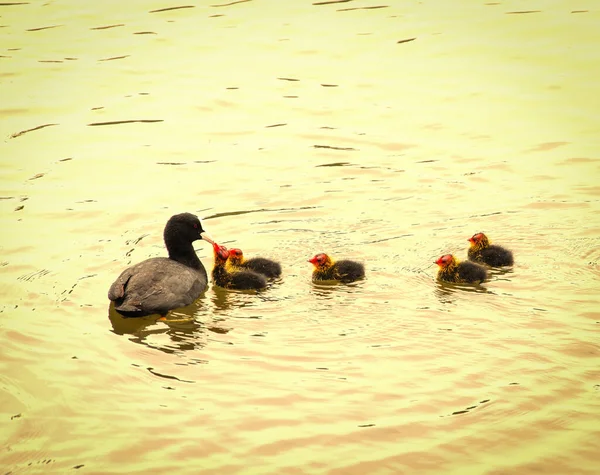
<point x="207" y="238"/>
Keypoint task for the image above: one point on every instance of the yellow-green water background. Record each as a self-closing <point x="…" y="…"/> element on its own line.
<point x="295" y="128"/>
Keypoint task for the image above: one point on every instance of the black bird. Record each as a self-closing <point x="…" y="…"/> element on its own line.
<point x="262" y="265"/>
<point x="451" y="270"/>
<point x="240" y="279"/>
<point x="160" y="284"/>
<point x="343" y="271"/>
<point x="485" y="253"/>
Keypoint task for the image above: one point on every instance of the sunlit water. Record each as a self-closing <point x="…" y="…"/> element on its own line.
<point x="295" y="128"/>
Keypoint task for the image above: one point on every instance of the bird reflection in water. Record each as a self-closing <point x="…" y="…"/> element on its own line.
<point x="225" y="300"/>
<point x="446" y="292"/>
<point x="500" y="273"/>
<point x="184" y="332"/>
<point x="336" y="292"/>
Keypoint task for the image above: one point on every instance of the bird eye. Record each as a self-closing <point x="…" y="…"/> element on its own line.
<point x="196" y="225"/>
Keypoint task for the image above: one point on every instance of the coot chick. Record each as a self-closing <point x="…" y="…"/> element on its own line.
<point x="344" y="271"/>
<point x="160" y="284"/>
<point x="237" y="279"/>
<point x="266" y="267"/>
<point x="451" y="270"/>
<point x="485" y="253"/>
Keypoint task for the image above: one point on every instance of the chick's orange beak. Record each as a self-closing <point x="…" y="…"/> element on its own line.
<point x="313" y="260"/>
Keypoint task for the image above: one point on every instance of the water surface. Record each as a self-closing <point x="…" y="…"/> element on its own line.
<point x="385" y="133"/>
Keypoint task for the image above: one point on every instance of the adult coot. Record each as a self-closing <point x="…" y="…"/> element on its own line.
<point x="482" y="251"/>
<point x="160" y="284"/>
<point x="451" y="270"/>
<point x="344" y="271"/>
<point x="237" y="279"/>
<point x="262" y="265"/>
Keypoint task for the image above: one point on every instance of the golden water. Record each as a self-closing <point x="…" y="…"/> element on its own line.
<point x="296" y="128"/>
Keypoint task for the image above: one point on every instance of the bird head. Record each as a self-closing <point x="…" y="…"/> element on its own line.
<point x="321" y="261"/>
<point x="446" y="260"/>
